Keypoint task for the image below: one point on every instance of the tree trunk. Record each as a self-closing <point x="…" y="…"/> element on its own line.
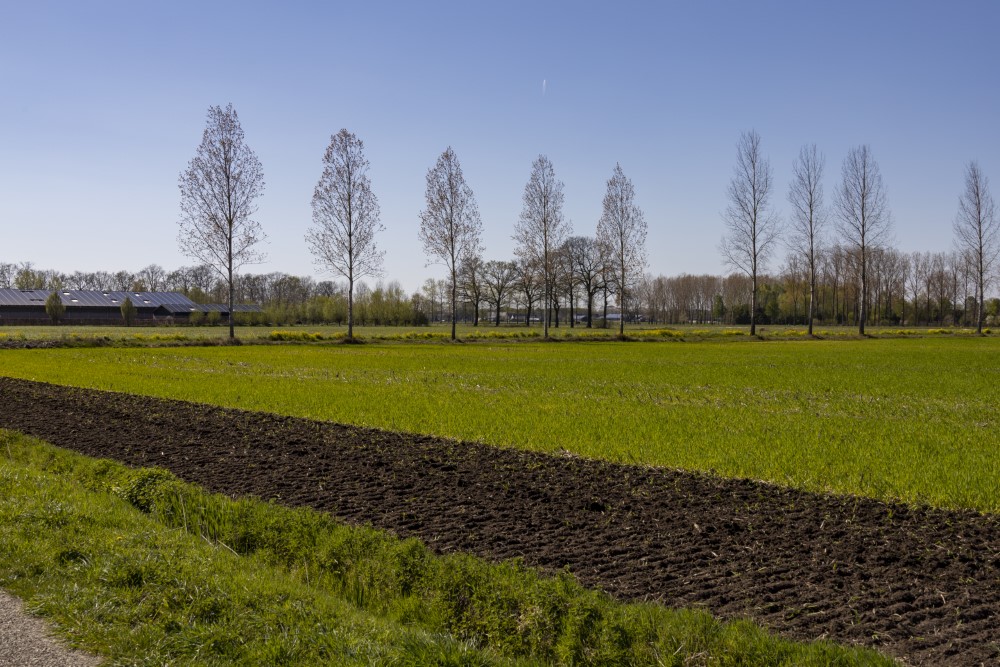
<point x="864" y="292"/>
<point x="454" y="303"/>
<point x="621" y="305"/>
<point x="350" y="306"/>
<point x="812" y="298"/>
<point x="979" y="297"/>
<point x="547" y="285"/>
<point x="836" y="302"/>
<point x="812" y="288"/>
<point x="545" y="316"/>
<point x="232" y="331"/>
<point x="572" y="308"/>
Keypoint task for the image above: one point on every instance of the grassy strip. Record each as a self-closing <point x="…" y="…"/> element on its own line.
<point x="909" y="419"/>
<point x="179" y="336"/>
<point x="140" y="567"/>
<point x="123" y="585"/>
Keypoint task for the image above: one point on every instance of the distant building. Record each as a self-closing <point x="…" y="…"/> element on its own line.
<point x="20" y="306"/>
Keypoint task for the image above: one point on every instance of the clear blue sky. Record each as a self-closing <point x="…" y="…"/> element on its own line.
<point x="103" y="104"/>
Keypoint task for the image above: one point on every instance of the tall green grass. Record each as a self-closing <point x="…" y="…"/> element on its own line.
<point x="909" y="419"/>
<point x="146" y="570"/>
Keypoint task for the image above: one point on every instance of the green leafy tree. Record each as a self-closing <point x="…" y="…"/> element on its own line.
<point x="718" y="308"/>
<point x="128" y="311"/>
<point x="54" y="307"/>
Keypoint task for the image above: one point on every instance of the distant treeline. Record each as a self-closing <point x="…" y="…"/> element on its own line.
<point x="907" y="289"/>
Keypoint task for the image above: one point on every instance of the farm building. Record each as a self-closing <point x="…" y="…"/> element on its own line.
<point x="19" y="306"/>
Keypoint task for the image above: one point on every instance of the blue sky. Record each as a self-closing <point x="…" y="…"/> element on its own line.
<point x="103" y="104"/>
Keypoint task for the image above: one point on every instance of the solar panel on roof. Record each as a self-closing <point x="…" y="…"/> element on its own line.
<point x="92" y="298"/>
<point x="19" y="297"/>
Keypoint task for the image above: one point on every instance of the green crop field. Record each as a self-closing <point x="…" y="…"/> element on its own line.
<point x="910" y="419"/>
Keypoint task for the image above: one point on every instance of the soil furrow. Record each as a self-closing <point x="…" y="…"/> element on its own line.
<point x="920" y="584"/>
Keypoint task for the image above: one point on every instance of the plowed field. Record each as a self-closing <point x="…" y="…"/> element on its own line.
<point x="920" y="584"/>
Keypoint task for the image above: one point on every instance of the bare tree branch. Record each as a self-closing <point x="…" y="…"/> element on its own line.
<point x="621" y="232"/>
<point x="219" y="190"/>
<point x="589" y="268"/>
<point x="450" y="227"/>
<point x="752" y="227"/>
<point x="976" y="232"/>
<point x="863" y="214"/>
<point x="530" y="284"/>
<point x="541" y="228"/>
<point x="499" y="279"/>
<point x="805" y="194"/>
<point x="346" y="217"/>
<point x="470" y="284"/>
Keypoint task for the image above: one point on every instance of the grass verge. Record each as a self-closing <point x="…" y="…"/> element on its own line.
<point x="144" y="569"/>
<point x="50" y="336"/>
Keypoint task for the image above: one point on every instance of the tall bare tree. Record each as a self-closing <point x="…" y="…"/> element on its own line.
<point x="541" y="228"/>
<point x="122" y="281"/>
<point x="450" y="227"/>
<point x="621" y="231"/>
<point x="805" y="194"/>
<point x="589" y="269"/>
<point x="219" y="190"/>
<point x="863" y="214"/>
<point x="530" y="284"/>
<point x="499" y="280"/>
<point x="471" y="283"/>
<point x="753" y="227"/>
<point x="567" y="281"/>
<point x="345" y="215"/>
<point x="153" y="277"/>
<point x="976" y="232"/>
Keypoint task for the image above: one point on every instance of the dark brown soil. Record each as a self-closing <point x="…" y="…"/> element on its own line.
<point x="919" y="584"/>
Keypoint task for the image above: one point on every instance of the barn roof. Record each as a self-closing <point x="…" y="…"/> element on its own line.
<point x="212" y="308"/>
<point x="23" y="297"/>
<point x="93" y="298"/>
<point x="178" y="308"/>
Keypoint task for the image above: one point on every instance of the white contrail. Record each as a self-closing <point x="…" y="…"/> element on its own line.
<point x="545" y="85"/>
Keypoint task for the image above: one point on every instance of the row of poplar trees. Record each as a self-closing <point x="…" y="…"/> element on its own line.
<point x="221" y="184"/>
